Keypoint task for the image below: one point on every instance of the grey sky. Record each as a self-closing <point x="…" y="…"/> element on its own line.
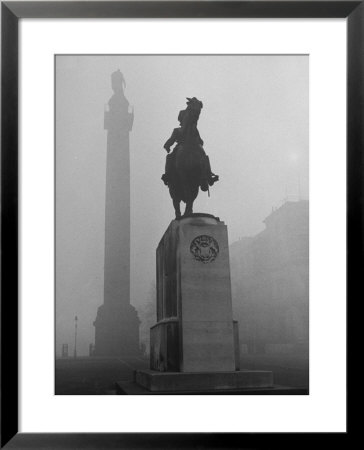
<point x="255" y="127"/>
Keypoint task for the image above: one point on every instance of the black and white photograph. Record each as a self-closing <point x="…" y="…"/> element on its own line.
<point x="181" y="224"/>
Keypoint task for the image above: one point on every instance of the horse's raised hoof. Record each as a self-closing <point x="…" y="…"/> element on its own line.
<point x="213" y="179"/>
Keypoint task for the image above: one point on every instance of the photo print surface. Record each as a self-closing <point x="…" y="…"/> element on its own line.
<point x="182" y="224"/>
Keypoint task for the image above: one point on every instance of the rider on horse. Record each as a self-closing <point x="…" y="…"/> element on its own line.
<point x="178" y="136"/>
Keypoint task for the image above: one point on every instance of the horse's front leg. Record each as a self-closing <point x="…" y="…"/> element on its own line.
<point x="189" y="206"/>
<point x="176" y="204"/>
<point x="192" y="194"/>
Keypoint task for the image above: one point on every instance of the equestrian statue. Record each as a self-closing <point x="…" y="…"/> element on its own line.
<point x="187" y="167"/>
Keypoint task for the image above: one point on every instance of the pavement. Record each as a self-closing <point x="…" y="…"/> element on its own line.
<point x="94" y="376"/>
<point x="288" y="369"/>
<point x="98" y="376"/>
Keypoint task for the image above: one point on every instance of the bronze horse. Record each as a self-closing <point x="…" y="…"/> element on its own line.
<point x="188" y="166"/>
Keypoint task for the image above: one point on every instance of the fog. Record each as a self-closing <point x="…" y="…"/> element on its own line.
<point x="254" y="124"/>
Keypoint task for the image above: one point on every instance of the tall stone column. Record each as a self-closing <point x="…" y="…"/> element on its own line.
<point x="117" y="323"/>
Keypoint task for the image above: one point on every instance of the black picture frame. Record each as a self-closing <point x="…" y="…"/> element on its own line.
<point x="11" y="12"/>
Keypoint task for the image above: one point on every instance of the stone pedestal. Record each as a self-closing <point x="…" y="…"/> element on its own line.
<point x="195" y="331"/>
<point x="195" y="343"/>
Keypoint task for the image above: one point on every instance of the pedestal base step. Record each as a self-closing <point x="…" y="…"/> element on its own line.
<point x="131" y="388"/>
<point x="202" y="381"/>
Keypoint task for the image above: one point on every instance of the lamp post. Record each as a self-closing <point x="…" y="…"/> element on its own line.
<point x="75" y="350"/>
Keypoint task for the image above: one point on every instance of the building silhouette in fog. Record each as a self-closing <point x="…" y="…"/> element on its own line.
<point x="270" y="282"/>
<point x="117" y="322"/>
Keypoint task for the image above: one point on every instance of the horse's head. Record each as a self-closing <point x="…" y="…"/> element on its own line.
<point x="194" y="107"/>
<point x="194" y="103"/>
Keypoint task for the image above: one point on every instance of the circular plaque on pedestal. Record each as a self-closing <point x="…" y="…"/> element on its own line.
<point x="204" y="248"/>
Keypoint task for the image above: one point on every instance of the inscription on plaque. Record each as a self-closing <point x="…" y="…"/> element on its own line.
<point x="204" y="248"/>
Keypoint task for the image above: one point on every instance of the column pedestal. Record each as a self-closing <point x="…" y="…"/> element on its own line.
<point x="116" y="331"/>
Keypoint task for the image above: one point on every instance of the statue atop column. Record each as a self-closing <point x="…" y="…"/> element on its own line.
<point x="118" y="118"/>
